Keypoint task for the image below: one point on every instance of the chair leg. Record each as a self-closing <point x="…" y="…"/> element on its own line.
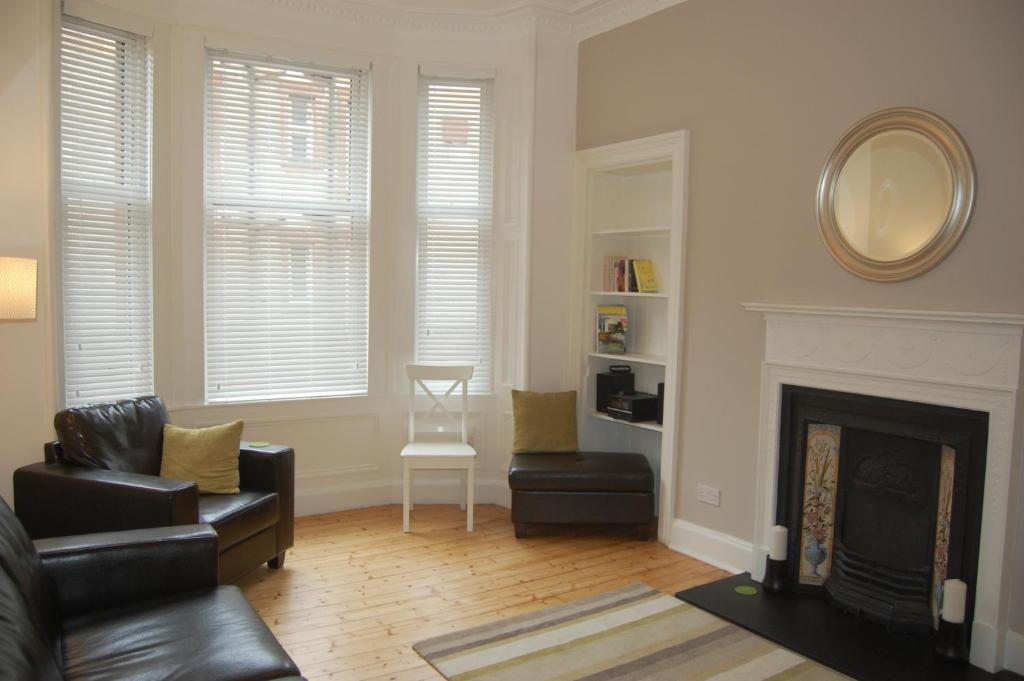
<point x="469" y="498"/>
<point x="520" y="530"/>
<point x="406" y="494"/>
<point x="643" y="532"/>
<point x="465" y="481"/>
<point x="277" y="562"/>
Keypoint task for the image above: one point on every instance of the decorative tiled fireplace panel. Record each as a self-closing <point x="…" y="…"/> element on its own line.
<point x="819" y="508"/>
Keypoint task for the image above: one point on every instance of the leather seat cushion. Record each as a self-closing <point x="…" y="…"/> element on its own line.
<point x="208" y="634"/>
<point x="581" y="472"/>
<point x="236" y="517"/>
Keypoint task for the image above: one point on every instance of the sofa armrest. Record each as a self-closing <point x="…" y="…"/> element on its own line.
<point x="272" y="469"/>
<point x="97" y="571"/>
<point x="55" y="500"/>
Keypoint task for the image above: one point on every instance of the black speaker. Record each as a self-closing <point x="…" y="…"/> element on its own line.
<point x="661" y="403"/>
<point x="619" y="378"/>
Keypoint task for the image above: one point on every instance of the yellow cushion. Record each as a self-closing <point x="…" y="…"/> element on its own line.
<point x="205" y="456"/>
<point x="544" y="422"/>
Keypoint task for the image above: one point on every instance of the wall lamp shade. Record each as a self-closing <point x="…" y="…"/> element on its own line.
<point x="17" y="289"/>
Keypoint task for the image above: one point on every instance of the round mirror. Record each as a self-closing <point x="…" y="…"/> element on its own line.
<point x="895" y="194"/>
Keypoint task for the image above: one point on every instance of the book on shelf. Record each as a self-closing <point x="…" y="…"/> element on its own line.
<point x="645" y="275"/>
<point x="629" y="275"/>
<point x="612" y="328"/>
<point x="610" y="272"/>
<point x="626" y="281"/>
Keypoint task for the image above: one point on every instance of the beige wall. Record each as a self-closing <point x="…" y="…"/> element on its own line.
<point x="765" y="89"/>
<point x="25" y="168"/>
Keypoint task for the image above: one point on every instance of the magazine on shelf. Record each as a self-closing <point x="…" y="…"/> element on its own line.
<point x="612" y="328"/>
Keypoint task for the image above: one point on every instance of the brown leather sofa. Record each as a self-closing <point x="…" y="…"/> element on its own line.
<point x="142" y="604"/>
<point x="103" y="475"/>
<point x="584" y="488"/>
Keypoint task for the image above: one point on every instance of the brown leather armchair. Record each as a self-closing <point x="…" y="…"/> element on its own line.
<point x="142" y="604"/>
<point x="103" y="475"/>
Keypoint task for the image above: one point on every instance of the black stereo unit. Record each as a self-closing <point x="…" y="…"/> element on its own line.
<point x="618" y="379"/>
<point x="633" y="406"/>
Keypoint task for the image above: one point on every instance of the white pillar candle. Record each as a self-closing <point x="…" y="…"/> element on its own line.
<point x="954" y="601"/>
<point x="777" y="549"/>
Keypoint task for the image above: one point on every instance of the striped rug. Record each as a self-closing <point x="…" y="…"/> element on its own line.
<point x="630" y="634"/>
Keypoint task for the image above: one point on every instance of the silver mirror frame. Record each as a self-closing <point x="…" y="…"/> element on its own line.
<point x="961" y="167"/>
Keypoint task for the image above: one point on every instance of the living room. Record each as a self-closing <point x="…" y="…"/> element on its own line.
<point x="743" y="107"/>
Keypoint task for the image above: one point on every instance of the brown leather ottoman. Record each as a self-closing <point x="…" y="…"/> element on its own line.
<point x="592" y="488"/>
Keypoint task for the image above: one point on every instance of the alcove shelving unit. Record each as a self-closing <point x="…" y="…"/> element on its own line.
<point x="629" y="201"/>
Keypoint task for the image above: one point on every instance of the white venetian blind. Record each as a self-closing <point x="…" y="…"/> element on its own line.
<point x="286" y="229"/>
<point x="455" y="159"/>
<point x="105" y="212"/>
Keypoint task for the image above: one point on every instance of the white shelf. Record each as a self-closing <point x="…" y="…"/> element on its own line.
<point x="629" y="202"/>
<point x="656" y="360"/>
<point x="630" y="294"/>
<point x="633" y="231"/>
<point x="643" y="425"/>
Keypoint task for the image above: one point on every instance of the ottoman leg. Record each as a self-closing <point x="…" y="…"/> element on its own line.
<point x="520" y="530"/>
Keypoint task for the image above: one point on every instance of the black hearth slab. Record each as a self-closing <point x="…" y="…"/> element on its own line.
<point x="809" y="626"/>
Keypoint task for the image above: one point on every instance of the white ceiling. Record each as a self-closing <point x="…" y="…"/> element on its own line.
<point x="583" y="18"/>
<point x="483" y="7"/>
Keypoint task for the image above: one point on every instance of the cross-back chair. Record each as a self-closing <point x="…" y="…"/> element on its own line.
<point x="433" y="455"/>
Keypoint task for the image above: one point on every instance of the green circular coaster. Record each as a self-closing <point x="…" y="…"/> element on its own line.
<point x="746" y="590"/>
<point x="258" y="444"/>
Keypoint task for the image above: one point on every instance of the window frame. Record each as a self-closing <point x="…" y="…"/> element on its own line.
<point x="486" y="173"/>
<point x="361" y="79"/>
<point x="145" y="214"/>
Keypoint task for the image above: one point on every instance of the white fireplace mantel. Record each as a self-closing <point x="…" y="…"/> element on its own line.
<point x="954" y="359"/>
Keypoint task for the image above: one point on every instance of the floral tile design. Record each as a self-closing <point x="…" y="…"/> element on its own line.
<point x="942" y="521"/>
<point x="819" y="508"/>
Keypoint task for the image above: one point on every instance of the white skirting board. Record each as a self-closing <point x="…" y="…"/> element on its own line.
<point x="715" y="548"/>
<point x="1013" y="653"/>
<point x="349" y="495"/>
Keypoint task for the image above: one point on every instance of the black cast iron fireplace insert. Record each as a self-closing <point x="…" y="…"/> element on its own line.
<point x="883" y="501"/>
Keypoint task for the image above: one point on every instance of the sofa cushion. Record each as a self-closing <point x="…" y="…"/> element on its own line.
<point x="120" y="436"/>
<point x="581" y="472"/>
<point x="208" y="634"/>
<point x="205" y="456"/>
<point x="237" y="517"/>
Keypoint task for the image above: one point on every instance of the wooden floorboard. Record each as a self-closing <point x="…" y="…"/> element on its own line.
<point x="356" y="593"/>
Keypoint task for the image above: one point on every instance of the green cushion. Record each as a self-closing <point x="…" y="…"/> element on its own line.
<point x="544" y="422"/>
<point x="205" y="456"/>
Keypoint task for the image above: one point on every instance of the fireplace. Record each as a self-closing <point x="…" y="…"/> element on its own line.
<point x="889" y="559"/>
<point x="882" y="498"/>
<point x="959" y="360"/>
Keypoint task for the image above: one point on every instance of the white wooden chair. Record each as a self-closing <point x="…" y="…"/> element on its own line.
<point x="438" y="455"/>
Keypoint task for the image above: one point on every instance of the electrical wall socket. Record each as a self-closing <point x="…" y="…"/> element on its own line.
<point x="707" y="494"/>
